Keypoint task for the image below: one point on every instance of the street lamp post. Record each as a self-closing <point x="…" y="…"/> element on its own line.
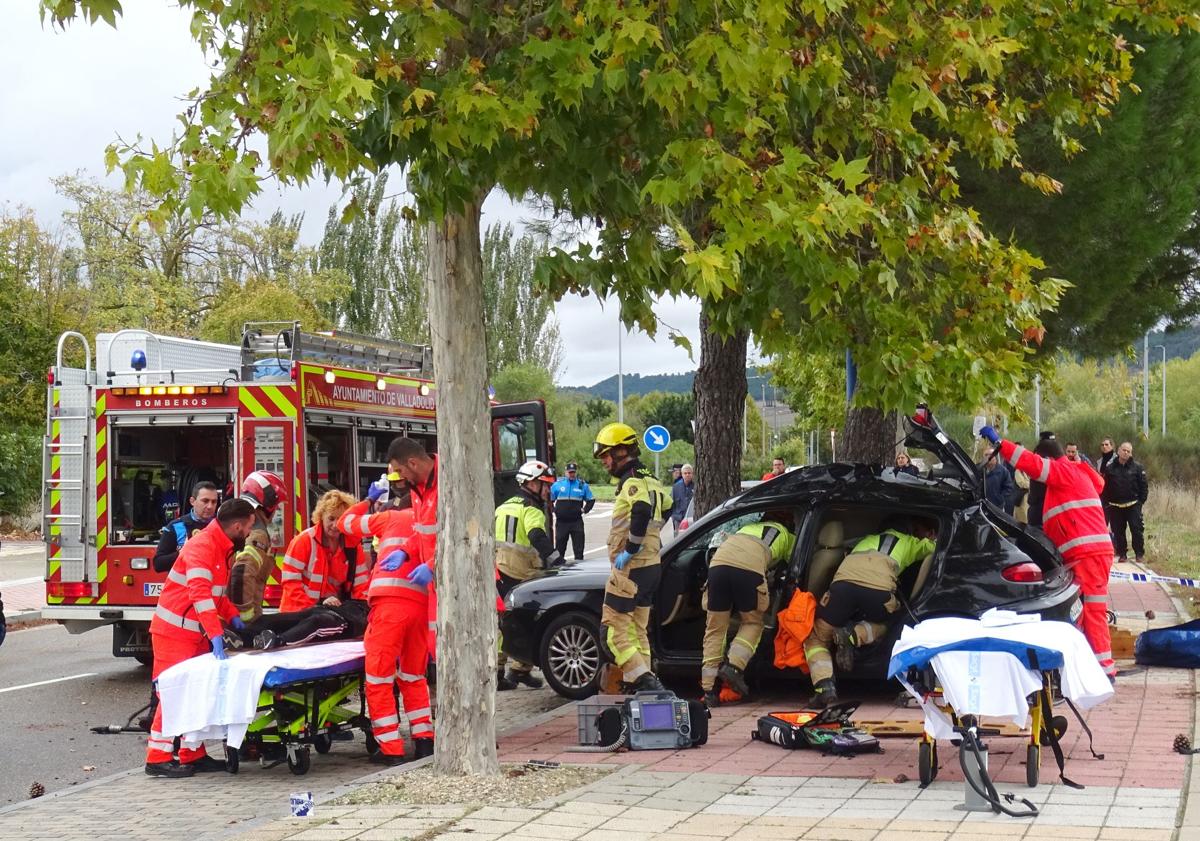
<point x="1146" y="385"/>
<point x="620" y="372"/>
<point x="1163" y="348"/>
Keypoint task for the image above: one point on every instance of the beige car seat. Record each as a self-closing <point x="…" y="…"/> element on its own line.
<point x="829" y="553"/>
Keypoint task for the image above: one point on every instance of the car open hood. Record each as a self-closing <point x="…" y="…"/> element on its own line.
<point x="924" y="432"/>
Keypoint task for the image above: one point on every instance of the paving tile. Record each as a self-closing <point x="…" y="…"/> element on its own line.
<point x="492" y="826"/>
<point x="734" y="809"/>
<point x="468" y="836"/>
<point x="1063" y="832"/>
<point x="552" y="832"/>
<point x="755" y="832"/>
<point x="601" y="798"/>
<point x="610" y="835"/>
<point x="909" y="835"/>
<point x="623" y="824"/>
<point x="736" y="799"/>
<point x="1135" y="823"/>
<point x="570" y="817"/>
<point x="506" y="813"/>
<point x="1132" y="834"/>
<point x="823" y="833"/>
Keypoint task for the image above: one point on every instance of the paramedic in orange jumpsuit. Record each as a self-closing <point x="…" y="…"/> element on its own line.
<point x="396" y="629"/>
<point x="188" y="623"/>
<point x="1073" y="519"/>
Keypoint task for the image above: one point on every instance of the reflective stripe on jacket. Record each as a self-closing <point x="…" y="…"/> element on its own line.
<point x="312" y="572"/>
<point x="757" y="547"/>
<point x="394" y="528"/>
<point x="193" y="598"/>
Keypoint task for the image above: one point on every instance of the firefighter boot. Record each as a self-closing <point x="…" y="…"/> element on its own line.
<point x="735" y="679"/>
<point x="712" y="699"/>
<point x="503" y="684"/>
<point x="825" y="695"/>
<point x="172" y="770"/>
<point x="523" y="678"/>
<point x="843" y="651"/>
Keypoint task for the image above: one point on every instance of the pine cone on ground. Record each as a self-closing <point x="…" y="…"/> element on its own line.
<point x="36" y="790"/>
<point x="1183" y="744"/>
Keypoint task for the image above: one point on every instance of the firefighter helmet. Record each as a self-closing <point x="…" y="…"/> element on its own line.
<point x="532" y="471"/>
<point x="264" y="490"/>
<point x="614" y="435"/>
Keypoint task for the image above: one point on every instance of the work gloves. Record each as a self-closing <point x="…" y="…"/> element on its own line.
<point x="237" y="623"/>
<point x="378" y="489"/>
<point x="393" y="561"/>
<point x="622" y="560"/>
<point x="421" y="575"/>
<point x="990" y="435"/>
<point x="218" y="647"/>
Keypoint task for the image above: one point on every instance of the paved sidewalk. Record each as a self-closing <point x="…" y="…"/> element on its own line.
<point x="23" y="599"/>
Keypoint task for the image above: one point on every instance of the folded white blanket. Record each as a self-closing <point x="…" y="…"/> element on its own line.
<point x="205" y="698"/>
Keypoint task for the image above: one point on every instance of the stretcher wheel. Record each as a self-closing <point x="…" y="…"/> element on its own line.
<point x="299" y="761"/>
<point x="927" y="762"/>
<point x="322" y="742"/>
<point x="1033" y="762"/>
<point x="232" y="759"/>
<point x="372" y="743"/>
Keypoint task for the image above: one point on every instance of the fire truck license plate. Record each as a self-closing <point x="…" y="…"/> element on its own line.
<point x="154" y="589"/>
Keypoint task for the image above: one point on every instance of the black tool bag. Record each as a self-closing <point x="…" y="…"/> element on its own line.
<point x="829" y="730"/>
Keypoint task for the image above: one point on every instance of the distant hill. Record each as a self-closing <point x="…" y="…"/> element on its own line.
<point x="644" y="384"/>
<point x="1180" y="344"/>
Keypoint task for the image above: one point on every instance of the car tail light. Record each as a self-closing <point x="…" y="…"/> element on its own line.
<point x="683" y="524"/>
<point x="921" y="415"/>
<point x="1026" y="573"/>
<point x="68" y="589"/>
<point x="273" y="593"/>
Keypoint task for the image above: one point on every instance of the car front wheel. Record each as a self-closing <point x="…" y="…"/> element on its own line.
<point x="571" y="655"/>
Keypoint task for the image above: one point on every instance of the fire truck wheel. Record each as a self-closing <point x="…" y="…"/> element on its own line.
<point x="299" y="760"/>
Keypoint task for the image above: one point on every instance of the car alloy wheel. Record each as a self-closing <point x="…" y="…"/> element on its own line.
<point x="571" y="655"/>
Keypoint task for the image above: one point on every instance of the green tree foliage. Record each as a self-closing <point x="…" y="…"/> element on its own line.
<point x="1123" y="229"/>
<point x="674" y="411"/>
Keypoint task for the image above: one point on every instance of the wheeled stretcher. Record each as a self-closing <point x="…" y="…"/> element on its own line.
<point x="269" y="705"/>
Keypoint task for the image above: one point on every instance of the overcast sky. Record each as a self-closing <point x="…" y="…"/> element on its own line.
<point x="69" y="94"/>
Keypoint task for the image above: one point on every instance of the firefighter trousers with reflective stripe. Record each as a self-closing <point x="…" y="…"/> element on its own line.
<point x="628" y="595"/>
<point x="845" y="604"/>
<point x="397" y="634"/>
<point x="1091" y="574"/>
<point x="731" y="589"/>
<point x="167" y="652"/>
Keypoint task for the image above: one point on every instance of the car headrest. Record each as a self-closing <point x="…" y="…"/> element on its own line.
<point x="831" y="535"/>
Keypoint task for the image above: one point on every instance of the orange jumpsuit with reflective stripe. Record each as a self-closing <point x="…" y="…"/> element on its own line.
<point x="189" y="612"/>
<point x="312" y="572"/>
<point x="396" y="631"/>
<point x="1073" y="519"/>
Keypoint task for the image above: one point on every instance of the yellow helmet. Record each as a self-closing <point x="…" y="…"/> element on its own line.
<point x="613" y="435"/>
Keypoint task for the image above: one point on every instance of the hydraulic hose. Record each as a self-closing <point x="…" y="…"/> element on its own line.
<point x="990" y="794"/>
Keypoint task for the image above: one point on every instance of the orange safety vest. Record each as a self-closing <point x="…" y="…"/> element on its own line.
<point x="795" y="624"/>
<point x="312" y="572"/>
<point x="193" y="600"/>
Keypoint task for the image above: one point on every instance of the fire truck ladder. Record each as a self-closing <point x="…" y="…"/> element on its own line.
<point x="66" y="458"/>
<point x="284" y="341"/>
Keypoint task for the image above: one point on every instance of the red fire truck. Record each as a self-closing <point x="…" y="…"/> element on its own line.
<point x="127" y="439"/>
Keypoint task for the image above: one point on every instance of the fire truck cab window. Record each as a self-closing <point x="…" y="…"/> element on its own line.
<point x="153" y="470"/>
<point x="514" y="440"/>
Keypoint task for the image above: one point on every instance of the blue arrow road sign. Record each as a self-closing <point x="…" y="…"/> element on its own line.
<point x="656" y="438"/>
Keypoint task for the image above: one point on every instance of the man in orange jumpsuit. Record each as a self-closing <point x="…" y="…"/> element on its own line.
<point x="1073" y="519"/>
<point x="188" y="622"/>
<point x="397" y="628"/>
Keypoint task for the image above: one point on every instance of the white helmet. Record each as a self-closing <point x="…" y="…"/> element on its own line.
<point x="535" y="470"/>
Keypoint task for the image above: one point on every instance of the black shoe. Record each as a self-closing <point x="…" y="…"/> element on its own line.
<point x="843" y="652"/>
<point x="207" y="765"/>
<point x="712" y="699"/>
<point x="524" y="678"/>
<point x="648" y="682"/>
<point x="503" y="683"/>
<point x="267" y="640"/>
<point x="824" y="696"/>
<point x="735" y="679"/>
<point x="170" y="770"/>
<point x="391" y="759"/>
<point x="422" y="748"/>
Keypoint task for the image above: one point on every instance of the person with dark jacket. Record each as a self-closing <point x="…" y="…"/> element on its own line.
<point x="1125" y="492"/>
<point x="681" y="495"/>
<point x="999" y="485"/>
<point x="204" y="507"/>
<point x="1107" y="454"/>
<point x="572" y="498"/>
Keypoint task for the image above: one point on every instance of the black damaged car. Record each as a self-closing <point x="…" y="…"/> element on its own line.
<point x="984" y="559"/>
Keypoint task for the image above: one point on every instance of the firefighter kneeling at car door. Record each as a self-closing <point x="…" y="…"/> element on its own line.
<point x="857" y="607"/>
<point x="640" y="508"/>
<point x="188" y="623"/>
<point x="522" y="548"/>
<point x="737" y="580"/>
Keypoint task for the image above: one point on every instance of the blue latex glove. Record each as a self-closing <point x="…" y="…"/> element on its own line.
<point x="421" y="575"/>
<point x="622" y="560"/>
<point x="378" y="488"/>
<point x="238" y="624"/>
<point x="989" y="434"/>
<point x="218" y="647"/>
<point x="394" y="561"/>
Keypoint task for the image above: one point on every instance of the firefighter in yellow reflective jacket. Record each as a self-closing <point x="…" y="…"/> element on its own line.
<point x="640" y="507"/>
<point x="523" y="547"/>
<point x="861" y="599"/>
<point x="737" y="580"/>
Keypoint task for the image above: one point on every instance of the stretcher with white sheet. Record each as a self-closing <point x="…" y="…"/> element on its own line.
<point x="998" y="666"/>
<point x="269" y="705"/>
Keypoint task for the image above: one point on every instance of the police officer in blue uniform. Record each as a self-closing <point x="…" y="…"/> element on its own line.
<point x="572" y="498"/>
<point x="204" y="507"/>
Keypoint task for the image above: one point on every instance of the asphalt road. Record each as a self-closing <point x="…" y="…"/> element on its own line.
<point x="46" y="736"/>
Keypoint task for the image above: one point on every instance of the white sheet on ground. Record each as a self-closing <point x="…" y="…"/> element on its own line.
<point x="995" y="683"/>
<point x="205" y="698"/>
